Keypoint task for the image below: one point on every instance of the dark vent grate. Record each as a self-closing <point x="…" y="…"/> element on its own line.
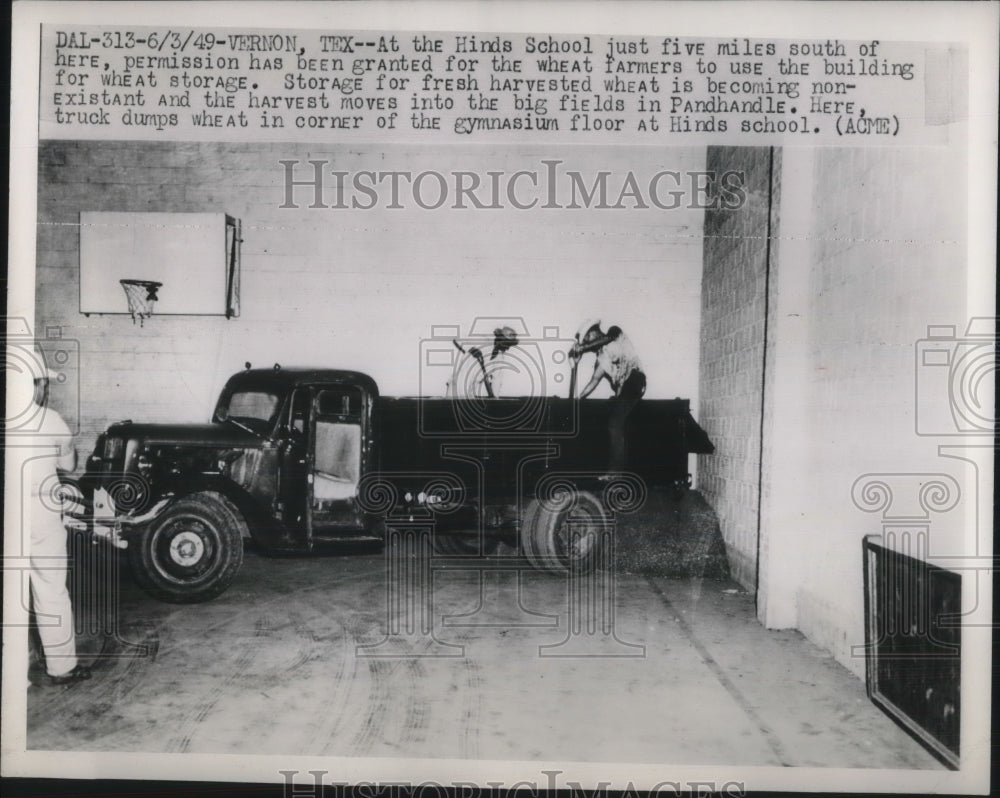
<point x="913" y="646"/>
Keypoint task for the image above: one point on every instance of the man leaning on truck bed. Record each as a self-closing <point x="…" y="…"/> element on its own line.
<point x="618" y="363"/>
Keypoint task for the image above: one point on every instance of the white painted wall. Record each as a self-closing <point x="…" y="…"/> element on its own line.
<point x="859" y="273"/>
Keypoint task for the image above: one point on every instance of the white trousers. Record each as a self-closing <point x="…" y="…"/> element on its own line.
<point x="53" y="609"/>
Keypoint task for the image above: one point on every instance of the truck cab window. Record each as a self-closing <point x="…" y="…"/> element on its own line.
<point x="343" y="403"/>
<point x="255" y="409"/>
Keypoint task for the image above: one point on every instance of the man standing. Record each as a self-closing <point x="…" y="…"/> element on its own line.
<point x="49" y="567"/>
<point x="618" y="363"/>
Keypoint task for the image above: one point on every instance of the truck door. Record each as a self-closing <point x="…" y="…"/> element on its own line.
<point x="337" y="459"/>
<point x="293" y="475"/>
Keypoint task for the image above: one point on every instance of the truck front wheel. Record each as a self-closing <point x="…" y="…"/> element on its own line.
<point x="566" y="532"/>
<point x="192" y="551"/>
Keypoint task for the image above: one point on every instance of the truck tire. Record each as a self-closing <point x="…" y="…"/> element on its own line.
<point x="191" y="552"/>
<point x="564" y="533"/>
<point x="464" y="545"/>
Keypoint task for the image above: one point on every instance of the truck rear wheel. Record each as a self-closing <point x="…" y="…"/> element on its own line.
<point x="565" y="532"/>
<point x="191" y="552"/>
<point x="464" y="545"/>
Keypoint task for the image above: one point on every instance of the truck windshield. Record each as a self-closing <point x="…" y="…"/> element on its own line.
<point x="253" y="408"/>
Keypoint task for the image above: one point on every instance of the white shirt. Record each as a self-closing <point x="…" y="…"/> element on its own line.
<point x="618" y="359"/>
<point x="55" y="449"/>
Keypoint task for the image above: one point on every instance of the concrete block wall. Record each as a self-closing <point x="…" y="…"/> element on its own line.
<point x="359" y="289"/>
<point x="733" y="304"/>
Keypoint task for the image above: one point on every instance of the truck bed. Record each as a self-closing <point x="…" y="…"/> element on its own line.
<point x="521" y="440"/>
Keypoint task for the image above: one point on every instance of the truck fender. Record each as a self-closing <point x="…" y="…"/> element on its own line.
<point x="246" y="504"/>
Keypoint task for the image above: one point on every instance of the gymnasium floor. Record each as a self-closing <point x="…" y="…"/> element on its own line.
<point x="493" y="663"/>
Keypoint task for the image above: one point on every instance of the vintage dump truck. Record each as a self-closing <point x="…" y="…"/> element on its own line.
<point x="294" y="458"/>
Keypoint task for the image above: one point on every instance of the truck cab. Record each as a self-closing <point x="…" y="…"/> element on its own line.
<point x="318" y="423"/>
<point x="280" y="463"/>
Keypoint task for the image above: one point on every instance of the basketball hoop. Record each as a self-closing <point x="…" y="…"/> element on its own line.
<point x="141" y="295"/>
